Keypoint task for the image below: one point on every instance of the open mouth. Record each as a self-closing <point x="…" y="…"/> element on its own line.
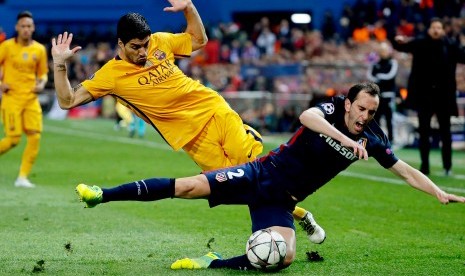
<point x="359" y="126"/>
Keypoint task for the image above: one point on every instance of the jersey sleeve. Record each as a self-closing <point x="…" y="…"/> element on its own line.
<point x="380" y="148"/>
<point x="329" y="108"/>
<point x="180" y="44"/>
<point x="101" y="83"/>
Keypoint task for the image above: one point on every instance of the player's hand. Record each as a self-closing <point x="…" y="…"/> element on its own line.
<point x="359" y="150"/>
<point x="446" y="198"/>
<point x="61" y="48"/>
<point x="177" y="5"/>
<point x="39" y="87"/>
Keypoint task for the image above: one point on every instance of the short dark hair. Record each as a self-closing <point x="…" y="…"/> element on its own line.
<point x="436" y="19"/>
<point x="368" y="87"/>
<point x="24" y="14"/>
<point x="132" y="25"/>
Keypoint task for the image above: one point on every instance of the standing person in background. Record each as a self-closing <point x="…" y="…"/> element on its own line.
<point x="432" y="87"/>
<point x="384" y="73"/>
<point x="185" y="113"/>
<point x="24" y="65"/>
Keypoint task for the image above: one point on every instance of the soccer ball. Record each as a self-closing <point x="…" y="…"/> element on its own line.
<point x="266" y="249"/>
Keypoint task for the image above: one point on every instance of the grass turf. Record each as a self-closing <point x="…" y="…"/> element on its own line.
<point x="374" y="226"/>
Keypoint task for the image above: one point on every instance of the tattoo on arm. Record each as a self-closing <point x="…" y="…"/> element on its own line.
<point x="77" y="87"/>
<point x="60" y="67"/>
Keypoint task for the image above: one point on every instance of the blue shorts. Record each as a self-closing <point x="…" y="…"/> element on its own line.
<point x="253" y="184"/>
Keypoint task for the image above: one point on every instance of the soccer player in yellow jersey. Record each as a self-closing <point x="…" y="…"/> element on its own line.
<point x="23" y="62"/>
<point x="187" y="114"/>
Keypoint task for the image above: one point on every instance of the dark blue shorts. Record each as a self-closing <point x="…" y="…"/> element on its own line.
<point x="253" y="184"/>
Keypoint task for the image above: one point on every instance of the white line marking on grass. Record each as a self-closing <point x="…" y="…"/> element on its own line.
<point x="394" y="181"/>
<point x="153" y="144"/>
<point x="105" y="137"/>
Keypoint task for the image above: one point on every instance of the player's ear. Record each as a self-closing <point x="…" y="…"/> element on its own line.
<point x="347" y="104"/>
<point x="120" y="43"/>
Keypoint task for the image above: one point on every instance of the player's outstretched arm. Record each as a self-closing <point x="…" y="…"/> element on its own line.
<point x="421" y="182"/>
<point x="194" y="23"/>
<point x="61" y="53"/>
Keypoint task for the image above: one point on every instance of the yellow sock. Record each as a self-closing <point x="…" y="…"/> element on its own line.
<point x="30" y="154"/>
<point x="8" y="142"/>
<point x="299" y="213"/>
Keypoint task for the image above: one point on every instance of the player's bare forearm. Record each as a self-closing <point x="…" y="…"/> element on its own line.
<point x="195" y="27"/>
<point x="63" y="87"/>
<point x="421" y="182"/>
<point x="194" y="23"/>
<point x="40" y="86"/>
<point x="61" y="52"/>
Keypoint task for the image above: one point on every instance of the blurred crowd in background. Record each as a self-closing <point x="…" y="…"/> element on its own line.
<point x="285" y="58"/>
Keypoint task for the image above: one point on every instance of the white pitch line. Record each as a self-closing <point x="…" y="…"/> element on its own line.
<point x="394" y="181"/>
<point x="153" y="144"/>
<point x="105" y="137"/>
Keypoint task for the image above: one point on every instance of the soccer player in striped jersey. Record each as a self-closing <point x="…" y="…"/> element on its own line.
<point x="24" y="65"/>
<point x="334" y="135"/>
<point x="188" y="115"/>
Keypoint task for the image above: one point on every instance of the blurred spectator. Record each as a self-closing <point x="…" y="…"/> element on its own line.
<point x="288" y="121"/>
<point x="284" y="35"/>
<point x="346" y="23"/>
<point x="224" y="54"/>
<point x="266" y="41"/>
<point x="235" y="52"/>
<point x="328" y="28"/>
<point x="383" y="73"/>
<point x="269" y="119"/>
<point x="250" y="53"/>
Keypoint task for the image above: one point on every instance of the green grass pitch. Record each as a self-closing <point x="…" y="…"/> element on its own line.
<point x="375" y="225"/>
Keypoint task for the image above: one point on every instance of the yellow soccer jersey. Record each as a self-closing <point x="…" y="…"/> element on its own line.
<point x="22" y="66"/>
<point x="177" y="106"/>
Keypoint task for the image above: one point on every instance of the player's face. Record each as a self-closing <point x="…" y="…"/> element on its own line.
<point x="436" y="30"/>
<point x="135" y="51"/>
<point x="25" y="28"/>
<point x="360" y="112"/>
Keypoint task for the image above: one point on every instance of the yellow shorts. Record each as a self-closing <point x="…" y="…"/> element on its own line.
<point x="225" y="141"/>
<point x="20" y="115"/>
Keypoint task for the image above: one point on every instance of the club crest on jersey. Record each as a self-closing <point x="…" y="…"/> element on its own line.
<point x="328" y="107"/>
<point x="221" y="177"/>
<point x="362" y="142"/>
<point x="159" y="54"/>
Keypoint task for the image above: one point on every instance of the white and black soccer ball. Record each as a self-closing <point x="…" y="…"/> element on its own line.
<point x="266" y="249"/>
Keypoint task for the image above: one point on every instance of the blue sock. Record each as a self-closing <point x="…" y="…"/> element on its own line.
<point x="238" y="263"/>
<point x="142" y="190"/>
